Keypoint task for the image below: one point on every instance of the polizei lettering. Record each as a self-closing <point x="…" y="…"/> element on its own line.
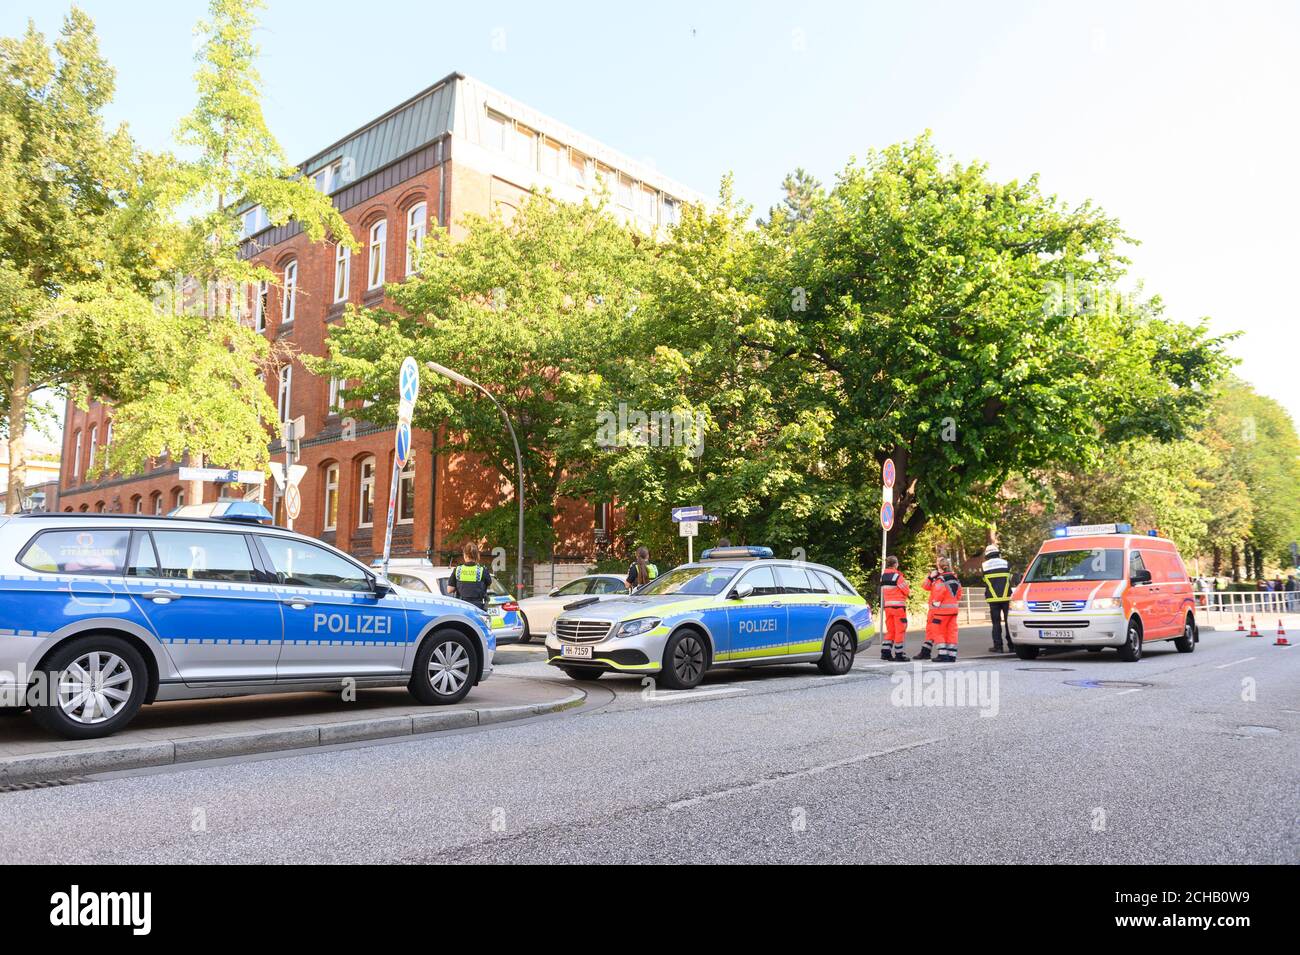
<point x="358" y="624"/>
<point x="766" y="625"/>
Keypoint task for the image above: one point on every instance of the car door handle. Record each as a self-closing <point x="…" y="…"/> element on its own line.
<point x="297" y="603"/>
<point x="161" y="596"/>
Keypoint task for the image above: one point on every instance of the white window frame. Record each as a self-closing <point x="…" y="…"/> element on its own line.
<point x="139" y="504"/>
<point x="178" y="500"/>
<point x="417" y="226"/>
<point x="579" y="172"/>
<point x="342" y="272"/>
<point x="260" y="293"/>
<point x="158" y="503"/>
<point x="76" y="458"/>
<point x="284" y="394"/>
<point x="331" y="490"/>
<point x="366" y="486"/>
<point x="335" y="400"/>
<point x="378" y="253"/>
<point x="406" y="475"/>
<point x="94" y="447"/>
<point x="289" y="306"/>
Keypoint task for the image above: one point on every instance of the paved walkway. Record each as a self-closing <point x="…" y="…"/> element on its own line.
<point x="202" y="729"/>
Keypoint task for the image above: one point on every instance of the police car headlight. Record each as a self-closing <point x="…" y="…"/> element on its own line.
<point x="1105" y="603"/>
<point x="1017" y="605"/>
<point x="633" y="627"/>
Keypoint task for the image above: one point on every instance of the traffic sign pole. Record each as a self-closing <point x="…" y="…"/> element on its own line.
<point x="888" y="475"/>
<point x="408" y="390"/>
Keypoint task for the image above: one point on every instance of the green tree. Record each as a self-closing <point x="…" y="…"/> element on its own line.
<point x="802" y="192"/>
<point x="64" y="176"/>
<point x="539" y="311"/>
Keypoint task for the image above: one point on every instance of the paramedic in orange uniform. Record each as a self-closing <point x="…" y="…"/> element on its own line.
<point x="894" y="589"/>
<point x="941" y="613"/>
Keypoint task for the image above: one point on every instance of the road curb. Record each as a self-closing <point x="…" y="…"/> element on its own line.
<point x="60" y="764"/>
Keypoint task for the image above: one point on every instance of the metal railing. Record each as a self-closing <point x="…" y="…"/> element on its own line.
<point x="1230" y="603"/>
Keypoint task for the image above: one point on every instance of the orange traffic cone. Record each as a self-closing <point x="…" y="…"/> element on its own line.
<point x="1254" y="631"/>
<point x="1281" y="640"/>
<point x="1241" y="624"/>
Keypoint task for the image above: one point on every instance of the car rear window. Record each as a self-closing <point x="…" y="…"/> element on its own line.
<point x="77" y="551"/>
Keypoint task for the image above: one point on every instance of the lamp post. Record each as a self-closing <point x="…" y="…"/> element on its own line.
<point x="519" y="462"/>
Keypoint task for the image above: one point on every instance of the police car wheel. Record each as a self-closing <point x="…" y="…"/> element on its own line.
<point x="837" y="658"/>
<point x="684" y="661"/>
<point x="526" y="635"/>
<point x="96" y="685"/>
<point x="1187" y="642"/>
<point x="582" y="673"/>
<point x="444" y="668"/>
<point x="1131" y="651"/>
<point x="1026" y="653"/>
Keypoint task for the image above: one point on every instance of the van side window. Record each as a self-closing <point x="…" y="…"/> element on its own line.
<point x="77" y="552"/>
<point x="1135" y="563"/>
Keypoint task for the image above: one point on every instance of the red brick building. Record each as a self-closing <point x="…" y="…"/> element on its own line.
<point x="457" y="147"/>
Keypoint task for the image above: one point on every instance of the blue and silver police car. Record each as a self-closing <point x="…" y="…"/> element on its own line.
<point x="100" y="614"/>
<point x="736" y="607"/>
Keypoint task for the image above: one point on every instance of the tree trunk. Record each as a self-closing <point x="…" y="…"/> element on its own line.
<point x="19" y="394"/>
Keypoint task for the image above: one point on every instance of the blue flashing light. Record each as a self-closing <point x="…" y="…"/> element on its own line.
<point x="1152" y="533"/>
<point x="248" y="512"/>
<point x="723" y="553"/>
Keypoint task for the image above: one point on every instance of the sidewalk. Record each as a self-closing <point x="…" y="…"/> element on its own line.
<point x="182" y="731"/>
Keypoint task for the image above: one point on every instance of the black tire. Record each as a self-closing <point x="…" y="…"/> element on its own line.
<point x="1027" y="653"/>
<point x="444" y="668"/>
<point x="837" y="656"/>
<point x="582" y="673"/>
<point x="121" y="677"/>
<point x="527" y="635"/>
<point x="685" y="659"/>
<point x="1187" y="642"/>
<point x="1131" y="651"/>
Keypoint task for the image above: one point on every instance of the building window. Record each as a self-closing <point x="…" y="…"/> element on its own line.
<point x="578" y="169"/>
<point x="623" y="191"/>
<point x="328" y="179"/>
<point x="260" y="293"/>
<point x="366" y="508"/>
<point x="406" y="494"/>
<point x="76" y="457"/>
<point x="331" y="497"/>
<point x="157" y="502"/>
<point x="552" y="157"/>
<point x="524" y="144"/>
<point x="672" y="211"/>
<point x="94" y="447"/>
<point x="178" y="498"/>
<point x="137" y="505"/>
<point x="497" y="131"/>
<point x="335" y="405"/>
<point x="285" y="395"/>
<point x="108" y="436"/>
<point x="99" y="507"/>
<point x="254" y="221"/>
<point x="342" y="271"/>
<point x="290" y="302"/>
<point x="378" y="245"/>
<point x="646" y="204"/>
<point x="416" y="226"/>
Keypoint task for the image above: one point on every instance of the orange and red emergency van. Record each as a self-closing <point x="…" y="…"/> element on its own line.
<point x="1100" y="585"/>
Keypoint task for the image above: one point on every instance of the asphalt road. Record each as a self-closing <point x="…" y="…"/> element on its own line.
<point x="775" y="765"/>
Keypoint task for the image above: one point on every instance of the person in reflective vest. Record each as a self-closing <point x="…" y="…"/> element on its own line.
<point x="470" y="580"/>
<point x="944" y="600"/>
<point x="997" y="587"/>
<point x="894" y="589"/>
<point x="641" y="571"/>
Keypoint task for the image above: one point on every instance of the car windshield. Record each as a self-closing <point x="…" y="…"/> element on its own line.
<point x="701" y="581"/>
<point x="1092" y="564"/>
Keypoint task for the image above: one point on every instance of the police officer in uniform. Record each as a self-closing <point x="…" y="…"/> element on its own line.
<point x="641" y="571"/>
<point x="997" y="584"/>
<point x="471" y="581"/>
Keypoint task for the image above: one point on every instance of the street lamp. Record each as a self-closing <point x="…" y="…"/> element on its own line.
<point x="519" y="461"/>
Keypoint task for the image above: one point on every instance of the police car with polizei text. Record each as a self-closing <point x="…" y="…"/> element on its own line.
<point x="735" y="607"/>
<point x="103" y="613"/>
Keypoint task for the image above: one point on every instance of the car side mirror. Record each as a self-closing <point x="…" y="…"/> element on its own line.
<point x="380" y="587"/>
<point x="554" y="593"/>
<point x="740" y="593"/>
<point x="1140" y="577"/>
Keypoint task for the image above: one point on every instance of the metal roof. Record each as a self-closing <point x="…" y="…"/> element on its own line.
<point x="424" y="117"/>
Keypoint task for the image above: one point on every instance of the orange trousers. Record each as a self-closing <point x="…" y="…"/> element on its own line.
<point x="895" y="628"/>
<point x="941" y="634"/>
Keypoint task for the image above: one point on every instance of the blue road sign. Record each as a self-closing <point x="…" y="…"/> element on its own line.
<point x="693" y="513"/>
<point x="403" y="443"/>
<point x="887" y="516"/>
<point x="409" y="380"/>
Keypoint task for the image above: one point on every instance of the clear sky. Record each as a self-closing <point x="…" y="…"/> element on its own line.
<point x="1180" y="118"/>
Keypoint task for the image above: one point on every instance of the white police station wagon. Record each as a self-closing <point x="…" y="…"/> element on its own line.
<point x="102" y="613"/>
